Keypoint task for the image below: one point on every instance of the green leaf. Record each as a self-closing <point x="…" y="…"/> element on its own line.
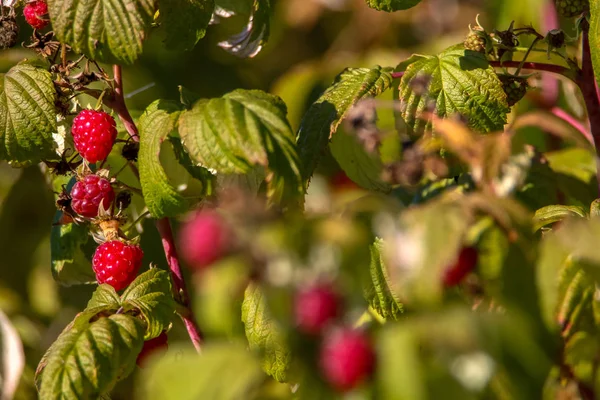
<point x="363" y="168"/>
<point x="253" y="37"/>
<point x="594" y="36"/>
<point x="379" y="293"/>
<point x="462" y="82"/>
<point x="27" y="113"/>
<point x="392" y="5"/>
<point x="224" y="371"/>
<point x="155" y="124"/>
<point x="104" y="30"/>
<point x="12" y="359"/>
<point x="244" y="128"/>
<point x="200" y="173"/>
<point x="150" y="293"/>
<point x="69" y="263"/>
<point x="551" y="214"/>
<point x="105" y="297"/>
<point x="88" y="359"/>
<point x="185" y="21"/>
<point x="325" y="115"/>
<point x="263" y="334"/>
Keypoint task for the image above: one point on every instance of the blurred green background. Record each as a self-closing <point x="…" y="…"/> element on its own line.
<point x="311" y="42"/>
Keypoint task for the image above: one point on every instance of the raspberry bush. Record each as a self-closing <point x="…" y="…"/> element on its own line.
<point x="312" y="214"/>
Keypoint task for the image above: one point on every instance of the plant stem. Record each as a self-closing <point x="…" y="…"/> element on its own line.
<point x="562" y="114"/>
<point x="397" y="75"/>
<point x="537" y="66"/>
<point x="118" y="105"/>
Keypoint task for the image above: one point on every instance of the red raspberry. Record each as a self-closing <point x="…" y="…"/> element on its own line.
<point x="341" y="182"/>
<point x="88" y="193"/>
<point x="465" y="263"/>
<point x="314" y="308"/>
<point x="204" y="239"/>
<point x="36" y="14"/>
<point x="117" y="263"/>
<point x="150" y="346"/>
<point x="94" y="133"/>
<point x="346" y="358"/>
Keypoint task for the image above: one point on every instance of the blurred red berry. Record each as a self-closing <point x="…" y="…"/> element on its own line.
<point x="204" y="239"/>
<point x="150" y="346"/>
<point x="94" y="133"/>
<point x="347" y="359"/>
<point x="340" y="181"/>
<point x="36" y="14"/>
<point x="88" y="193"/>
<point x="464" y="264"/>
<point x="314" y="307"/>
<point x="117" y="263"/>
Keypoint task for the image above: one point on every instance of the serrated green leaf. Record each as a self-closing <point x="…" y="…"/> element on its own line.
<point x="200" y="173"/>
<point x="105" y="297"/>
<point x="462" y="82"/>
<point x="104" y="30"/>
<point x="244" y="128"/>
<point x="155" y="124"/>
<point x="361" y="167"/>
<point x="27" y="113"/>
<point x="379" y="293"/>
<point x="185" y="21"/>
<point x="325" y="115"/>
<point x="263" y="334"/>
<point x="69" y="264"/>
<point x="252" y="38"/>
<point x="150" y="293"/>
<point x="392" y="5"/>
<point x="551" y="214"/>
<point x="224" y="371"/>
<point x="87" y="360"/>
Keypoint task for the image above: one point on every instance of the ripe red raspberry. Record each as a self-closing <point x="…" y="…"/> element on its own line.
<point x="88" y="193"/>
<point x="204" y="239"/>
<point x="36" y="14"/>
<point x="346" y="358"/>
<point x="465" y="263"/>
<point x="314" y="307"/>
<point x="150" y="346"/>
<point x="94" y="133"/>
<point x="117" y="263"/>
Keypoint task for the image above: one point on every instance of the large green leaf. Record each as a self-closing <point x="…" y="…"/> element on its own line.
<point x="325" y="115"/>
<point x="244" y="128"/>
<point x="392" y="5"/>
<point x="150" y="293"/>
<point x="224" y="371"/>
<point x="263" y="334"/>
<point x="155" y="124"/>
<point x="554" y="213"/>
<point x="185" y="21"/>
<point x="27" y="113"/>
<point x="104" y="30"/>
<point x="461" y="82"/>
<point x="379" y="294"/>
<point x="88" y="359"/>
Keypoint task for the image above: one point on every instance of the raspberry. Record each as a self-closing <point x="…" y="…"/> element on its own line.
<point x="94" y="133"/>
<point x="150" y="346"/>
<point x="88" y="193"/>
<point x="204" y="239"/>
<point x="572" y="8"/>
<point x="36" y="14"/>
<point x="314" y="307"/>
<point x="117" y="263"/>
<point x="514" y="87"/>
<point x="465" y="263"/>
<point x="9" y="31"/>
<point x="341" y="182"/>
<point x="346" y="359"/>
<point x="475" y="40"/>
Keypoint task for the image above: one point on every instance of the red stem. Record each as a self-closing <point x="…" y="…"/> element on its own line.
<point x="568" y="118"/>
<point x="396" y="75"/>
<point x="163" y="225"/>
<point x="557" y="69"/>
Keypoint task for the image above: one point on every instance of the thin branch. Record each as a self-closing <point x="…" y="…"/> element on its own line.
<point x="397" y="75"/>
<point x="536" y="66"/>
<point x="568" y="118"/>
<point x="118" y="105"/>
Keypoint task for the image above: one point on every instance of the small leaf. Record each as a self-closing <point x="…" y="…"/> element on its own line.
<point x="252" y="38"/>
<point x="264" y="336"/>
<point x="325" y="115"/>
<point x="392" y="5"/>
<point x="185" y="21"/>
<point x="460" y="82"/>
<point x="551" y="214"/>
<point x="88" y="359"/>
<point x="104" y="298"/>
<point x="27" y="113"/>
<point x="69" y="263"/>
<point x="103" y="30"/>
<point x="224" y="371"/>
<point x="12" y="359"/>
<point x="155" y="124"/>
<point x="379" y="293"/>
<point x="150" y="293"/>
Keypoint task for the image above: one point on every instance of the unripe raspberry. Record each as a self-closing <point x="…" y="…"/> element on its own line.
<point x="9" y="31"/>
<point x="150" y="346"/>
<point x="572" y="8"/>
<point x="514" y="87"/>
<point x="117" y="263"/>
<point x="36" y="14"/>
<point x="464" y="264"/>
<point x="475" y="40"/>
<point x="204" y="239"/>
<point x="88" y="193"/>
<point x="94" y="133"/>
<point x="346" y="359"/>
<point x="315" y="307"/>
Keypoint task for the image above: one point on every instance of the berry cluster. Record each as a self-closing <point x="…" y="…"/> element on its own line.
<point x="205" y="239"/>
<point x="117" y="263"/>
<point x="476" y="40"/>
<point x="515" y="88"/>
<point x="94" y="134"/>
<point x="462" y="266"/>
<point x="572" y="8"/>
<point x="36" y="14"/>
